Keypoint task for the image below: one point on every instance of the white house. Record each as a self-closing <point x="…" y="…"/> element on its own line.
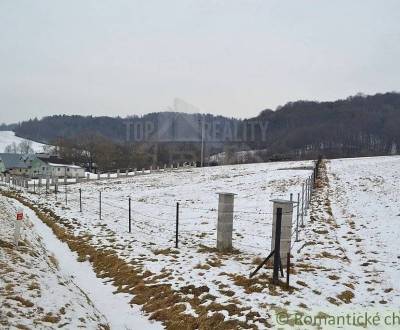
<point x="52" y="166"/>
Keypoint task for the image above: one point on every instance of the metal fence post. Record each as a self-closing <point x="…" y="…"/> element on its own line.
<point x="277" y="249"/>
<point x="80" y="200"/>
<point x="297" y="217"/>
<point x="100" y="204"/>
<point x="130" y="219"/>
<point x="177" y="225"/>
<point x="302" y="205"/>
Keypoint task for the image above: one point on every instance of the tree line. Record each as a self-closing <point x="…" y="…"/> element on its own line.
<point x="357" y="126"/>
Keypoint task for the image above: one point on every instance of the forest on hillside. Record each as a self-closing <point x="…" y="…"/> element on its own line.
<point x="357" y="126"/>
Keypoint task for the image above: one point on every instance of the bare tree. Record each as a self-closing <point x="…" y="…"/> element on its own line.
<point x="25" y="147"/>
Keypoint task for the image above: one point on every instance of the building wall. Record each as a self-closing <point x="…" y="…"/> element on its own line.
<point x="70" y="172"/>
<point x="19" y="171"/>
<point x="38" y="168"/>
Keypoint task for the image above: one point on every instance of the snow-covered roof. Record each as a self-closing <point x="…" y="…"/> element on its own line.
<point x="64" y="165"/>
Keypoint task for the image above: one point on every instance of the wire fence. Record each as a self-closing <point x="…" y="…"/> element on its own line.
<point x="166" y="222"/>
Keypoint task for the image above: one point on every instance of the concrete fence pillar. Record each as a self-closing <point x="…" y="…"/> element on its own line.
<point x="87" y="176"/>
<point x="158" y="168"/>
<point x="151" y="169"/>
<point x="225" y="221"/>
<point x="40" y="182"/>
<point x="76" y="177"/>
<point x="134" y="171"/>
<point x="143" y="170"/>
<point x="172" y="166"/>
<point x="98" y="176"/>
<point x="286" y="227"/>
<point x="108" y="175"/>
<point x="118" y="173"/>
<point x="165" y="167"/>
<point x="127" y="172"/>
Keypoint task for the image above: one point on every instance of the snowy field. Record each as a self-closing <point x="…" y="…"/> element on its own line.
<point x="365" y="195"/>
<point x="8" y="137"/>
<point x="33" y="290"/>
<point x="346" y="259"/>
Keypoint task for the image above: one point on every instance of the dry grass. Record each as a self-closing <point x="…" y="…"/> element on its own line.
<point x="158" y="300"/>
<point x="51" y="318"/>
<point x="165" y="252"/>
<point x="22" y="301"/>
<point x="346" y="296"/>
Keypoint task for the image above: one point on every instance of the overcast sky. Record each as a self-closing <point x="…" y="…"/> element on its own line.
<point x="227" y="57"/>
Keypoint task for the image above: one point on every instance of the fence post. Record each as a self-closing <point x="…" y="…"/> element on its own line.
<point x="291" y="197"/>
<point x="66" y="194"/>
<point x="34" y="186"/>
<point x="286" y="226"/>
<point x="100" y="204"/>
<point x="302" y="205"/>
<point x="225" y="221"/>
<point x="297" y="217"/>
<point x="80" y="200"/>
<point x="277" y="249"/>
<point x="177" y="225"/>
<point x="287" y="269"/>
<point x="130" y="219"/>
<point x="306" y="197"/>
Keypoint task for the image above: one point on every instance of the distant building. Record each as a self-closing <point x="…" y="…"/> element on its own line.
<point x="39" y="165"/>
<point x="52" y="166"/>
<point x="14" y="164"/>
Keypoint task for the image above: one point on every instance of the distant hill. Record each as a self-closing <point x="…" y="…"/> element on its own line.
<point x="359" y="125"/>
<point x="356" y="126"/>
<point x="8" y="138"/>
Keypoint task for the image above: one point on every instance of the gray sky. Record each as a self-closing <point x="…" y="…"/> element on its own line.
<point x="228" y="57"/>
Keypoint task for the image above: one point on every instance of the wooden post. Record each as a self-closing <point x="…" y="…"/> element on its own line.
<point x="177" y="225"/>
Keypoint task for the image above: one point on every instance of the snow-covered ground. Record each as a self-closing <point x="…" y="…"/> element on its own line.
<point x="151" y="243"/>
<point x="8" y="137"/>
<point x="33" y="289"/>
<point x="366" y="204"/>
<point x="346" y="257"/>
